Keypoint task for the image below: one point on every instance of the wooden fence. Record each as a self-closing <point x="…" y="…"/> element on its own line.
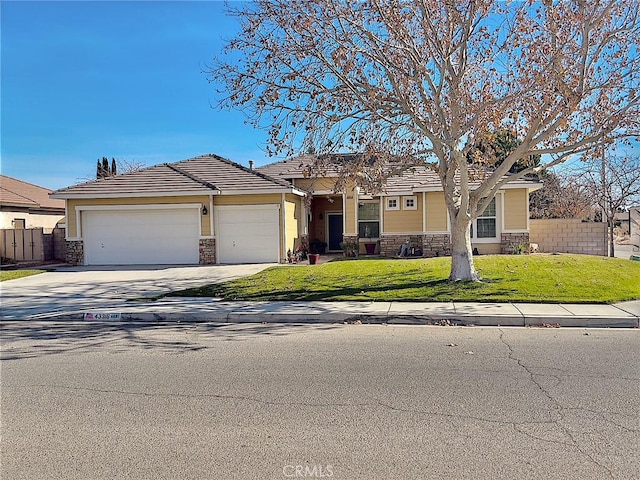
<point x="32" y="244"/>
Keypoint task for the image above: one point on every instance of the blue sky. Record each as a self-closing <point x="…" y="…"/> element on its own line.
<point x="82" y="80"/>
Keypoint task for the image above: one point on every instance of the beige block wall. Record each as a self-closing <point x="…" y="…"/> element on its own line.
<point x="635" y="229"/>
<point x="403" y="221"/>
<point x="436" y="209"/>
<point x="516" y="210"/>
<point x="569" y="236"/>
<point x="73" y="203"/>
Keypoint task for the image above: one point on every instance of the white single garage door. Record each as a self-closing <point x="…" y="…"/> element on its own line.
<point x="141" y="236"/>
<point x="248" y="234"/>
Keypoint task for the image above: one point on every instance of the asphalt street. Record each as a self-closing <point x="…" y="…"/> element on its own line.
<point x="275" y="401"/>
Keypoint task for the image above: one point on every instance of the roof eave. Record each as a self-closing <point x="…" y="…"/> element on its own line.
<point x="190" y="193"/>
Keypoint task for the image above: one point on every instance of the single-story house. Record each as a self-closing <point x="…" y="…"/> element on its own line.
<point x="410" y="208"/>
<point x="24" y="205"/>
<point x="203" y="210"/>
<point x="210" y="210"/>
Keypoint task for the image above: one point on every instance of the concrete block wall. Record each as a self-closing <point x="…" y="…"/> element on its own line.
<point x="59" y="244"/>
<point x="48" y="246"/>
<point x="568" y="235"/>
<point x="635" y="229"/>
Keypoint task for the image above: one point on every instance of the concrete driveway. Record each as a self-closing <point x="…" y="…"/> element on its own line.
<point x="73" y="289"/>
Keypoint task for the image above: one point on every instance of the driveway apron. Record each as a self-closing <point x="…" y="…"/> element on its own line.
<point x="74" y="289"/>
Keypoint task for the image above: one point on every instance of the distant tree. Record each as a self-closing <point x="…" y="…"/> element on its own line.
<point x="494" y="148"/>
<point x="129" y="166"/>
<point x="121" y="165"/>
<point x="105" y="167"/>
<point x="562" y="196"/>
<point x="419" y="81"/>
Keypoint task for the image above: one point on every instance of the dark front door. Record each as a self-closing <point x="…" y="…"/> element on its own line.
<point x="335" y="230"/>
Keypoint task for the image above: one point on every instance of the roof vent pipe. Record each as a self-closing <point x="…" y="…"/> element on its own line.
<point x="250" y="164"/>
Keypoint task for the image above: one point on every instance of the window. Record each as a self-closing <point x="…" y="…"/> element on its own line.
<point x="393" y="203"/>
<point x="369" y="220"/>
<point x="485" y="224"/>
<point x="410" y="203"/>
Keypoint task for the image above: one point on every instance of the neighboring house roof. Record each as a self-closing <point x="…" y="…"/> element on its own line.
<point x="414" y="179"/>
<point x="19" y="194"/>
<point x="207" y="174"/>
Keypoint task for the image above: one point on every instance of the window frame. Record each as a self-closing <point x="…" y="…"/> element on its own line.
<point x="388" y="201"/>
<point x="474" y="225"/>
<point x="378" y="221"/>
<point x="413" y="198"/>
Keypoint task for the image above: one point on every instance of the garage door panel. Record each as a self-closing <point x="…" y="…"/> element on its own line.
<point x="152" y="236"/>
<point x="248" y="234"/>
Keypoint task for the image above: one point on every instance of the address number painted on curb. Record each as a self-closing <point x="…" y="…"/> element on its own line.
<point x="102" y="316"/>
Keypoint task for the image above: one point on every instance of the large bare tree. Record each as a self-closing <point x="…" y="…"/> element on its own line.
<point x="564" y="196"/>
<point x="613" y="182"/>
<point x="418" y="81"/>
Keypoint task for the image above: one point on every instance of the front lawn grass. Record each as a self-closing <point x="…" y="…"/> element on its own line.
<point x="13" y="274"/>
<point x="506" y="278"/>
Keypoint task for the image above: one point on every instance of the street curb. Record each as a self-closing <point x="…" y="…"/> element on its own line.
<point x="626" y="320"/>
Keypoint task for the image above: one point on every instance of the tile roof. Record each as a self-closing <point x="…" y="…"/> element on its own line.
<point x="206" y="174"/>
<point x="16" y="193"/>
<point x="414" y="179"/>
<point x="297" y="167"/>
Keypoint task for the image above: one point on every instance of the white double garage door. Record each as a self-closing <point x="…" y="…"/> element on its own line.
<point x="169" y="235"/>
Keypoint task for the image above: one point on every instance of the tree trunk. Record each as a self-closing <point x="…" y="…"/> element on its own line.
<point x="612" y="251"/>
<point x="462" y="267"/>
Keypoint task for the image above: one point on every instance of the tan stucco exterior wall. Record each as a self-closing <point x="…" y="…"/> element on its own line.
<point x="487" y="248"/>
<point x="31" y="220"/>
<point x="73" y="203"/>
<point x="436" y="209"/>
<point x="516" y="210"/>
<point x="261" y="199"/>
<point x="293" y="222"/>
<point x="315" y="184"/>
<point x="350" y="212"/>
<point x="403" y="221"/>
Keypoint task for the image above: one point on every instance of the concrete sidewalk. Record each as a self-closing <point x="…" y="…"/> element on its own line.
<point x="621" y="315"/>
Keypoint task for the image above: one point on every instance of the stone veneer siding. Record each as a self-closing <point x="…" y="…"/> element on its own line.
<point x="352" y="239"/>
<point x="75" y="252"/>
<point x="207" y="247"/>
<point x="436" y="244"/>
<point x="509" y="241"/>
<point x="390" y="244"/>
<point x="432" y="245"/>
